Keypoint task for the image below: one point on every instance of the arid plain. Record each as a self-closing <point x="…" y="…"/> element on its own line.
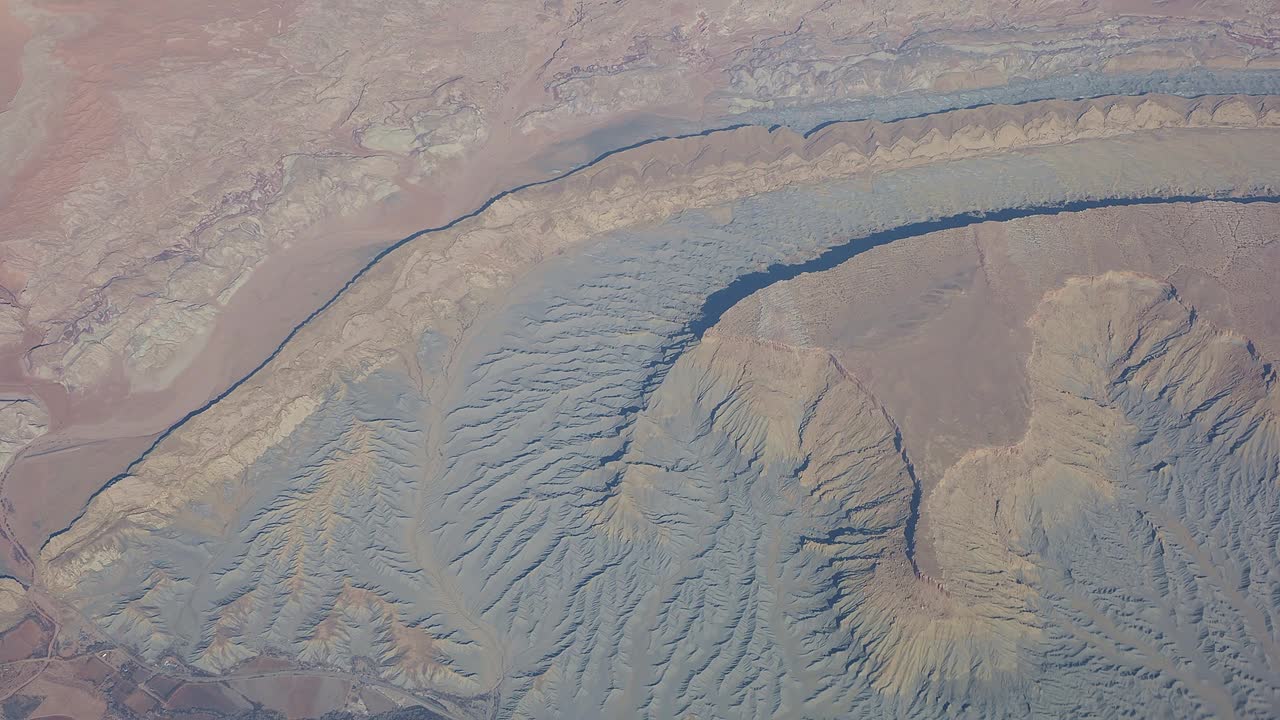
<point x="657" y="360"/>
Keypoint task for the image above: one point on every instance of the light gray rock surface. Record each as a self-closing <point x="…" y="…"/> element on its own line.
<point x="574" y="498"/>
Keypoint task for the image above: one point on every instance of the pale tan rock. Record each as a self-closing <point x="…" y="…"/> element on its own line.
<point x="429" y="285"/>
<point x="186" y="143"/>
<point x="21" y="421"/>
<point x="14" y="605"/>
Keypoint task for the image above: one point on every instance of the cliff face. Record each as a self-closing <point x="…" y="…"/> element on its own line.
<point x="1068" y="560"/>
<point x="165" y="170"/>
<point x="1138" y="508"/>
<point x="438" y="284"/>
<point x="521" y="464"/>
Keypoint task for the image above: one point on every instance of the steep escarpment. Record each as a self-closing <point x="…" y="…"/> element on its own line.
<point x="1144" y="495"/>
<point x="359" y="131"/>
<point x="446" y="277"/>
<point x="251" y="156"/>
<point x="503" y="470"/>
<point x="738" y="358"/>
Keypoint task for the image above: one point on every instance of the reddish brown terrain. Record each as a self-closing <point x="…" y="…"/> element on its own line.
<point x="632" y="386"/>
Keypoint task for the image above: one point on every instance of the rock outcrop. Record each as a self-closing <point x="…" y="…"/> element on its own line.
<point x="514" y="468"/>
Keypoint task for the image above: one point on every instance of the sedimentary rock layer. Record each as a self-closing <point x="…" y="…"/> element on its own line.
<point x="508" y="468"/>
<point x="220" y="138"/>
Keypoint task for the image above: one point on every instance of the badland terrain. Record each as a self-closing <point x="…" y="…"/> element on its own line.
<point x="664" y="360"/>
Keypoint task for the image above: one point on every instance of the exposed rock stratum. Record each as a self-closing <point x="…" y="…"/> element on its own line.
<point x="545" y="463"/>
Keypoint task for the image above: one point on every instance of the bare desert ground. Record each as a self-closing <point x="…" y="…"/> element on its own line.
<point x="607" y="359"/>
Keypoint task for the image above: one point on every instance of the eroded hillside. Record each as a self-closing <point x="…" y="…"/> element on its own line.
<point x="179" y="179"/>
<point x="585" y="453"/>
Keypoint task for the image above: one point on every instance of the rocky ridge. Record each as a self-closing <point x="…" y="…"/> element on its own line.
<point x="519" y="230"/>
<point x="358" y="129"/>
<point x="511" y="421"/>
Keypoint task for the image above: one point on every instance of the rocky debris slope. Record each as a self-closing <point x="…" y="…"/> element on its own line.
<point x="1140" y="509"/>
<point x="509" y="469"/>
<point x="936" y="324"/>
